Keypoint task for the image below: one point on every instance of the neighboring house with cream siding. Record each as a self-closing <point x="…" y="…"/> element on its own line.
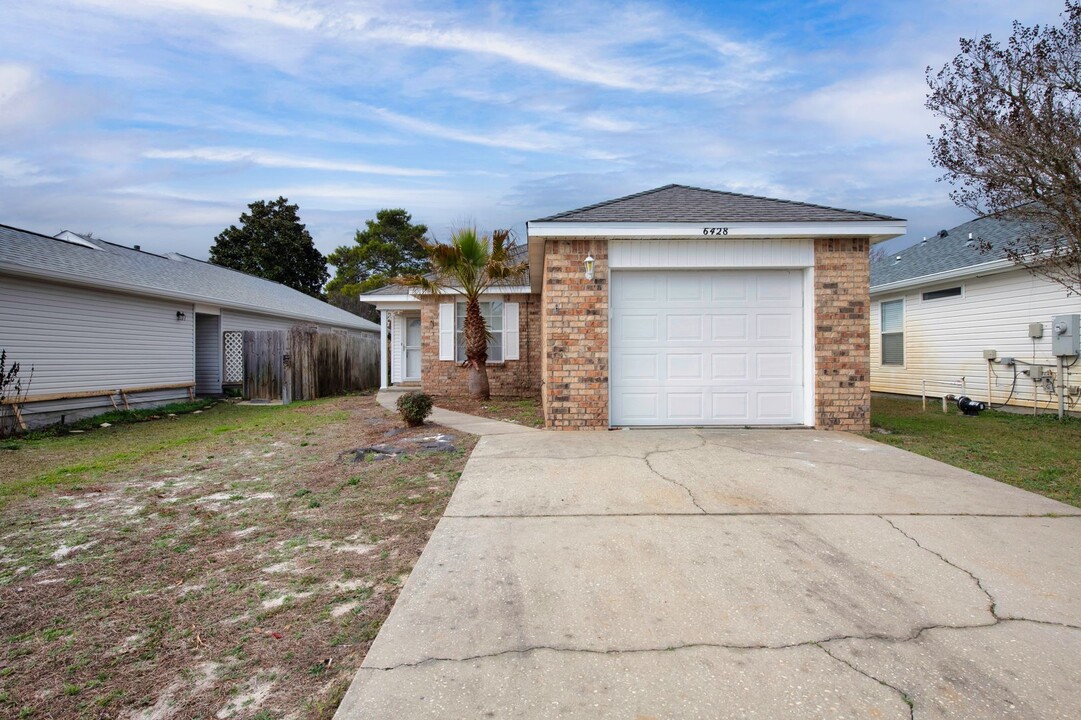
<point x="93" y="318"/>
<point x="937" y="305"/>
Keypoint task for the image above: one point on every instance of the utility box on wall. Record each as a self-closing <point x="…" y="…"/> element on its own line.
<point x="1065" y="335"/>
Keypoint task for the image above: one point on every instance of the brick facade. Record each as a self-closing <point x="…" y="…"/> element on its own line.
<point x="564" y="339"/>
<point x="842" y="335"/>
<point x="511" y="378"/>
<point x="574" y="322"/>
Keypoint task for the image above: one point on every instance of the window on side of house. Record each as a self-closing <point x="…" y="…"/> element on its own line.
<point x="492" y="312"/>
<point x="893" y="332"/>
<point x="943" y="293"/>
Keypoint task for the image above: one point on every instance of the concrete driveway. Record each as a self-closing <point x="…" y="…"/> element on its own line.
<point x="731" y="574"/>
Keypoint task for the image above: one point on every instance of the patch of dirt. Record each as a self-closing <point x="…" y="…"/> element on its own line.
<point x="521" y="411"/>
<point x="243" y="575"/>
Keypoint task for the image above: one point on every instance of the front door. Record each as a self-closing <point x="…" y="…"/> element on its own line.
<point x="412" y="348"/>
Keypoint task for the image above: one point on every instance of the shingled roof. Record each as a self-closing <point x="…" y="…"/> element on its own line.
<point x="106" y="265"/>
<point x="952" y="250"/>
<point x="680" y="203"/>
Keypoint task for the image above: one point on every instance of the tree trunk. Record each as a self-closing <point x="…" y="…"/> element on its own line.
<point x="476" y="350"/>
<point x="478" y="383"/>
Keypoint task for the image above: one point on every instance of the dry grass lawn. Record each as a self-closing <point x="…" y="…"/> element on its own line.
<point x="521" y="411"/>
<point x="236" y="563"/>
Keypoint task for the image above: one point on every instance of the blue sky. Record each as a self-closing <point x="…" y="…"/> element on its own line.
<point x="157" y="121"/>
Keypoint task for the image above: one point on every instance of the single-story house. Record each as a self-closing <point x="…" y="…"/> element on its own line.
<point x="98" y="321"/>
<point x="674" y="306"/>
<point x="938" y="305"/>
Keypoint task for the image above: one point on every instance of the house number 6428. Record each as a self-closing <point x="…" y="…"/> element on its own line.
<point x="714" y="231"/>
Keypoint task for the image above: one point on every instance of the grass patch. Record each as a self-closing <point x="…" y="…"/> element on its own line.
<point x="48" y="459"/>
<point x="521" y="411"/>
<point x="1041" y="454"/>
<point x="197" y="555"/>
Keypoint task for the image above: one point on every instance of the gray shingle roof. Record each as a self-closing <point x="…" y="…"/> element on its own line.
<point x="952" y="251"/>
<point x="117" y="267"/>
<point x="680" y="203"/>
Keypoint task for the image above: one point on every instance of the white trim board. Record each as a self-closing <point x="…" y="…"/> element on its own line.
<point x="987" y="268"/>
<point x="877" y="231"/>
<point x="706" y="253"/>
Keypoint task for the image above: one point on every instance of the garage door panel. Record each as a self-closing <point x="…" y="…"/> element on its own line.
<point x="777" y="289"/>
<point x="728" y="288"/>
<point x="729" y="366"/>
<point x="778" y="326"/>
<point x="633" y="327"/>
<point x="637" y="405"/>
<point x="685" y="366"/>
<point x="681" y="328"/>
<point x="636" y="287"/>
<point x="729" y="406"/>
<point x="781" y="367"/>
<point x="777" y="406"/>
<point x="680" y="291"/>
<point x="713" y="347"/>
<point x="729" y="327"/>
<point x="640" y="366"/>
<point x="685" y="407"/>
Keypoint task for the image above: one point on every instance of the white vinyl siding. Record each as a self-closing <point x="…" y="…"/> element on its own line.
<point x="711" y="253"/>
<point x="892" y="323"/>
<point x="78" y="339"/>
<point x="237" y="320"/>
<point x="945" y="338"/>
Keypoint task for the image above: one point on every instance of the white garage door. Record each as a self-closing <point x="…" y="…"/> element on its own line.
<point x="707" y="347"/>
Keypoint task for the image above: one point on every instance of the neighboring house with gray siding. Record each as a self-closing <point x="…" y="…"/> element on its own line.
<point x="100" y="323"/>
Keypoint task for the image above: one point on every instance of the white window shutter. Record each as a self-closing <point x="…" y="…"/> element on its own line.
<point x="446" y="331"/>
<point x="510" y="331"/>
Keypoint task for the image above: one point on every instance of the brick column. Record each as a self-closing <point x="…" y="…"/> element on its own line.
<point x="574" y="326"/>
<point x="842" y="341"/>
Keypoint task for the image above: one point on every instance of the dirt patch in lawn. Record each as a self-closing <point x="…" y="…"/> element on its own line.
<point x="521" y="411"/>
<point x="239" y="567"/>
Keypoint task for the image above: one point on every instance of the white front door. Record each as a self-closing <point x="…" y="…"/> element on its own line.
<point x="717" y="347"/>
<point x="412" y="348"/>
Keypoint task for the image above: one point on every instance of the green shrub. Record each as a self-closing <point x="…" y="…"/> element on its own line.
<point x="414" y="407"/>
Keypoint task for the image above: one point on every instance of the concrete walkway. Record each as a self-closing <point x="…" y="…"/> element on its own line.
<point x="731" y="574"/>
<point x="455" y="420"/>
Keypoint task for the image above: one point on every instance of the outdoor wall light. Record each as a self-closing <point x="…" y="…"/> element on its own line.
<point x="589" y="267"/>
<point x="180" y="315"/>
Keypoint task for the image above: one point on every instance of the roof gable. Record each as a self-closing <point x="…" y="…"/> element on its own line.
<point x="681" y="203"/>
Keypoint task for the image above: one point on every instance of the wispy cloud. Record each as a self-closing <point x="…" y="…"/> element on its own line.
<point x="276" y="160"/>
<point x="520" y="137"/>
<point x="18" y="172"/>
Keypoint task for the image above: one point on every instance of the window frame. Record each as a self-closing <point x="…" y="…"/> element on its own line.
<point x="883" y="334"/>
<point x="499" y="337"/>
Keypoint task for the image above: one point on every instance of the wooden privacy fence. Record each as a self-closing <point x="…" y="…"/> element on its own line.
<point x="307" y="363"/>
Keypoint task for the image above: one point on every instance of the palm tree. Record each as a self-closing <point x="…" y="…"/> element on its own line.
<point x="470" y="264"/>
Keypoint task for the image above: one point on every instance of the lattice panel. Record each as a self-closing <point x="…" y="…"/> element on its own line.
<point x="234" y="358"/>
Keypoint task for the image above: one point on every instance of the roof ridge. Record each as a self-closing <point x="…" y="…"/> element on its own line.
<point x="782" y="200"/>
<point x="615" y="200"/>
<point x="721" y="193"/>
